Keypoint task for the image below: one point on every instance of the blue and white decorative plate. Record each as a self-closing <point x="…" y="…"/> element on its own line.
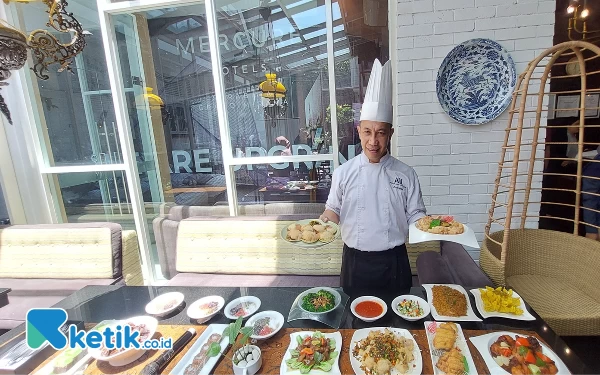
<point x="476" y="81"/>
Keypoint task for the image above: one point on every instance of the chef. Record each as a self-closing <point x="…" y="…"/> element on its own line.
<point x="374" y="197"/>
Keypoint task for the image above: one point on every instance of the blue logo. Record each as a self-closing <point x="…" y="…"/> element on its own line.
<point x="44" y="325"/>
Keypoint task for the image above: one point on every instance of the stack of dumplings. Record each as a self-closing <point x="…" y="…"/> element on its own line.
<point x="311" y="233"/>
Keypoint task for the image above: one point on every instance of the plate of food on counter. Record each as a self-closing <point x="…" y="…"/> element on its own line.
<point x="310" y="233"/>
<point x="410" y="307"/>
<point x="512" y="353"/>
<point x="164" y="304"/>
<point x="145" y="325"/>
<point x="319" y="300"/>
<point x="197" y="361"/>
<point x="242" y="307"/>
<point x="449" y="302"/>
<point x="379" y="351"/>
<point x="368" y="308"/>
<point x="312" y="352"/>
<point x="265" y="324"/>
<point x="449" y="349"/>
<point x="500" y="303"/>
<point x="205" y="308"/>
<point x="441" y="228"/>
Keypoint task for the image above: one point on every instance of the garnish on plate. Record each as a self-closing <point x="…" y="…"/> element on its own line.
<point x="313" y="352"/>
<point x="318" y="302"/>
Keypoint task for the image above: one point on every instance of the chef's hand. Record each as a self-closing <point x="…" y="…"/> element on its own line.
<point x="323" y="218"/>
<point x="566" y="162"/>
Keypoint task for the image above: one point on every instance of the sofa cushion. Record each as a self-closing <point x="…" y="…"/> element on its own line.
<point x="433" y="269"/>
<point x="50" y="287"/>
<point x="315" y="209"/>
<point x="464" y="270"/>
<point x="220" y="280"/>
<point x="14" y="313"/>
<point x="568" y="310"/>
<point x="179" y="213"/>
<point x="217" y="246"/>
<point x="58" y="252"/>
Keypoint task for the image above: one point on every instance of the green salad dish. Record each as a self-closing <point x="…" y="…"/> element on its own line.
<point x="319" y="300"/>
<point x="313" y="352"/>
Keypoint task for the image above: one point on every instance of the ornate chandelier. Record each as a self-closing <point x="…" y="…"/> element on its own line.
<point x="45" y="47"/>
<point x="578" y="26"/>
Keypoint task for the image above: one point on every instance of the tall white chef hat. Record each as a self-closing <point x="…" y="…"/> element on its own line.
<point x="377" y="105"/>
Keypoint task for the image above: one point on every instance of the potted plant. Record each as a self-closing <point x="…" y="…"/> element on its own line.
<point x="246" y="358"/>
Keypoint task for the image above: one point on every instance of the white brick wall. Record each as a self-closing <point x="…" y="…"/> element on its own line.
<point x="463" y="160"/>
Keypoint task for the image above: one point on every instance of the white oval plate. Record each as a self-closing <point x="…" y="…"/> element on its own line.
<point x="364" y="333"/>
<point x="276" y="322"/>
<point x="195" y="313"/>
<point x="368" y="298"/>
<point x="129" y="355"/>
<point x="156" y="307"/>
<point x="482" y="344"/>
<point x="422" y="303"/>
<point x="245" y="300"/>
<point x="470" y="317"/>
<point x="338" y="299"/>
<point x="467" y="238"/>
<point x="283" y="234"/>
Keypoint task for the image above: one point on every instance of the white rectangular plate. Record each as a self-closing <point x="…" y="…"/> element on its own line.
<point x="483" y="343"/>
<point x="415" y="235"/>
<point x="461" y="344"/>
<point x="470" y="317"/>
<point x="494" y="314"/>
<point x="363" y="333"/>
<point x="179" y="369"/>
<point x="335" y="369"/>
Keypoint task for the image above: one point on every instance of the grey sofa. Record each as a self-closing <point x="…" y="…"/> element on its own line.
<point x="43" y="264"/>
<point x="452" y="265"/>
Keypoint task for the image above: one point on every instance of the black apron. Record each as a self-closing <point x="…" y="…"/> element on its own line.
<point x="389" y="269"/>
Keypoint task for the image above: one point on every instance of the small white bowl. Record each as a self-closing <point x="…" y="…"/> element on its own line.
<point x="336" y="295"/>
<point x="276" y="323"/>
<point x="129" y="355"/>
<point x="422" y="303"/>
<point x="368" y="298"/>
<point x="253" y="367"/>
<point x="158" y="306"/>
<point x="254" y="306"/>
<point x="195" y="313"/>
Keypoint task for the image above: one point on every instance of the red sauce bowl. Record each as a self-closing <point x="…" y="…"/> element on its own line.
<point x="368" y="308"/>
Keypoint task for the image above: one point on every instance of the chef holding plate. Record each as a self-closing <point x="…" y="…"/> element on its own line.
<point x="374" y="197"/>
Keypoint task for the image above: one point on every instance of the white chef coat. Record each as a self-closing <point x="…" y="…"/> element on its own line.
<point x="375" y="202"/>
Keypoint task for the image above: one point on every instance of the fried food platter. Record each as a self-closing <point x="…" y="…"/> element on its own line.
<point x="310" y="233"/>
<point x="464" y="314"/>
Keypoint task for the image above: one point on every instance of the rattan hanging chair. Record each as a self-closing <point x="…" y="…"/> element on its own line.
<point x="556" y="272"/>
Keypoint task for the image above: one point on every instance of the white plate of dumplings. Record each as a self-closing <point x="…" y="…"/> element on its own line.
<point x="310" y="233"/>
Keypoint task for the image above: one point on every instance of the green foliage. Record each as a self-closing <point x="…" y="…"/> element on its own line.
<point x="345" y="114"/>
<point x="232" y="331"/>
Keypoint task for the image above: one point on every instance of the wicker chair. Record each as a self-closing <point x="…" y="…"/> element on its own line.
<point x="555" y="272"/>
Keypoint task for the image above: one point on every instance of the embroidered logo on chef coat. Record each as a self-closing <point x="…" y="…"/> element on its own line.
<point x="397" y="183"/>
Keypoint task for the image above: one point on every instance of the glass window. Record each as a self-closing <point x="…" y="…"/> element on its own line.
<point x="358" y="41"/>
<point x="76" y="111"/>
<point x="301" y="182"/>
<point x="274" y="65"/>
<point x="94" y="196"/>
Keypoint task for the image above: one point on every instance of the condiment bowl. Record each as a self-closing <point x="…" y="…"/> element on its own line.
<point x="379" y="301"/>
<point x="195" y="313"/>
<point x="164" y="304"/>
<point x="422" y="303"/>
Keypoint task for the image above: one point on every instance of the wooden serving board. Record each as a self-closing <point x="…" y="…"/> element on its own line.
<point x="273" y="351"/>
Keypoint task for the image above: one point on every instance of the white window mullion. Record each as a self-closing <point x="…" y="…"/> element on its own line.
<point x="131" y="171"/>
<point x="393" y="31"/>
<point x="215" y="57"/>
<point x="332" y="87"/>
